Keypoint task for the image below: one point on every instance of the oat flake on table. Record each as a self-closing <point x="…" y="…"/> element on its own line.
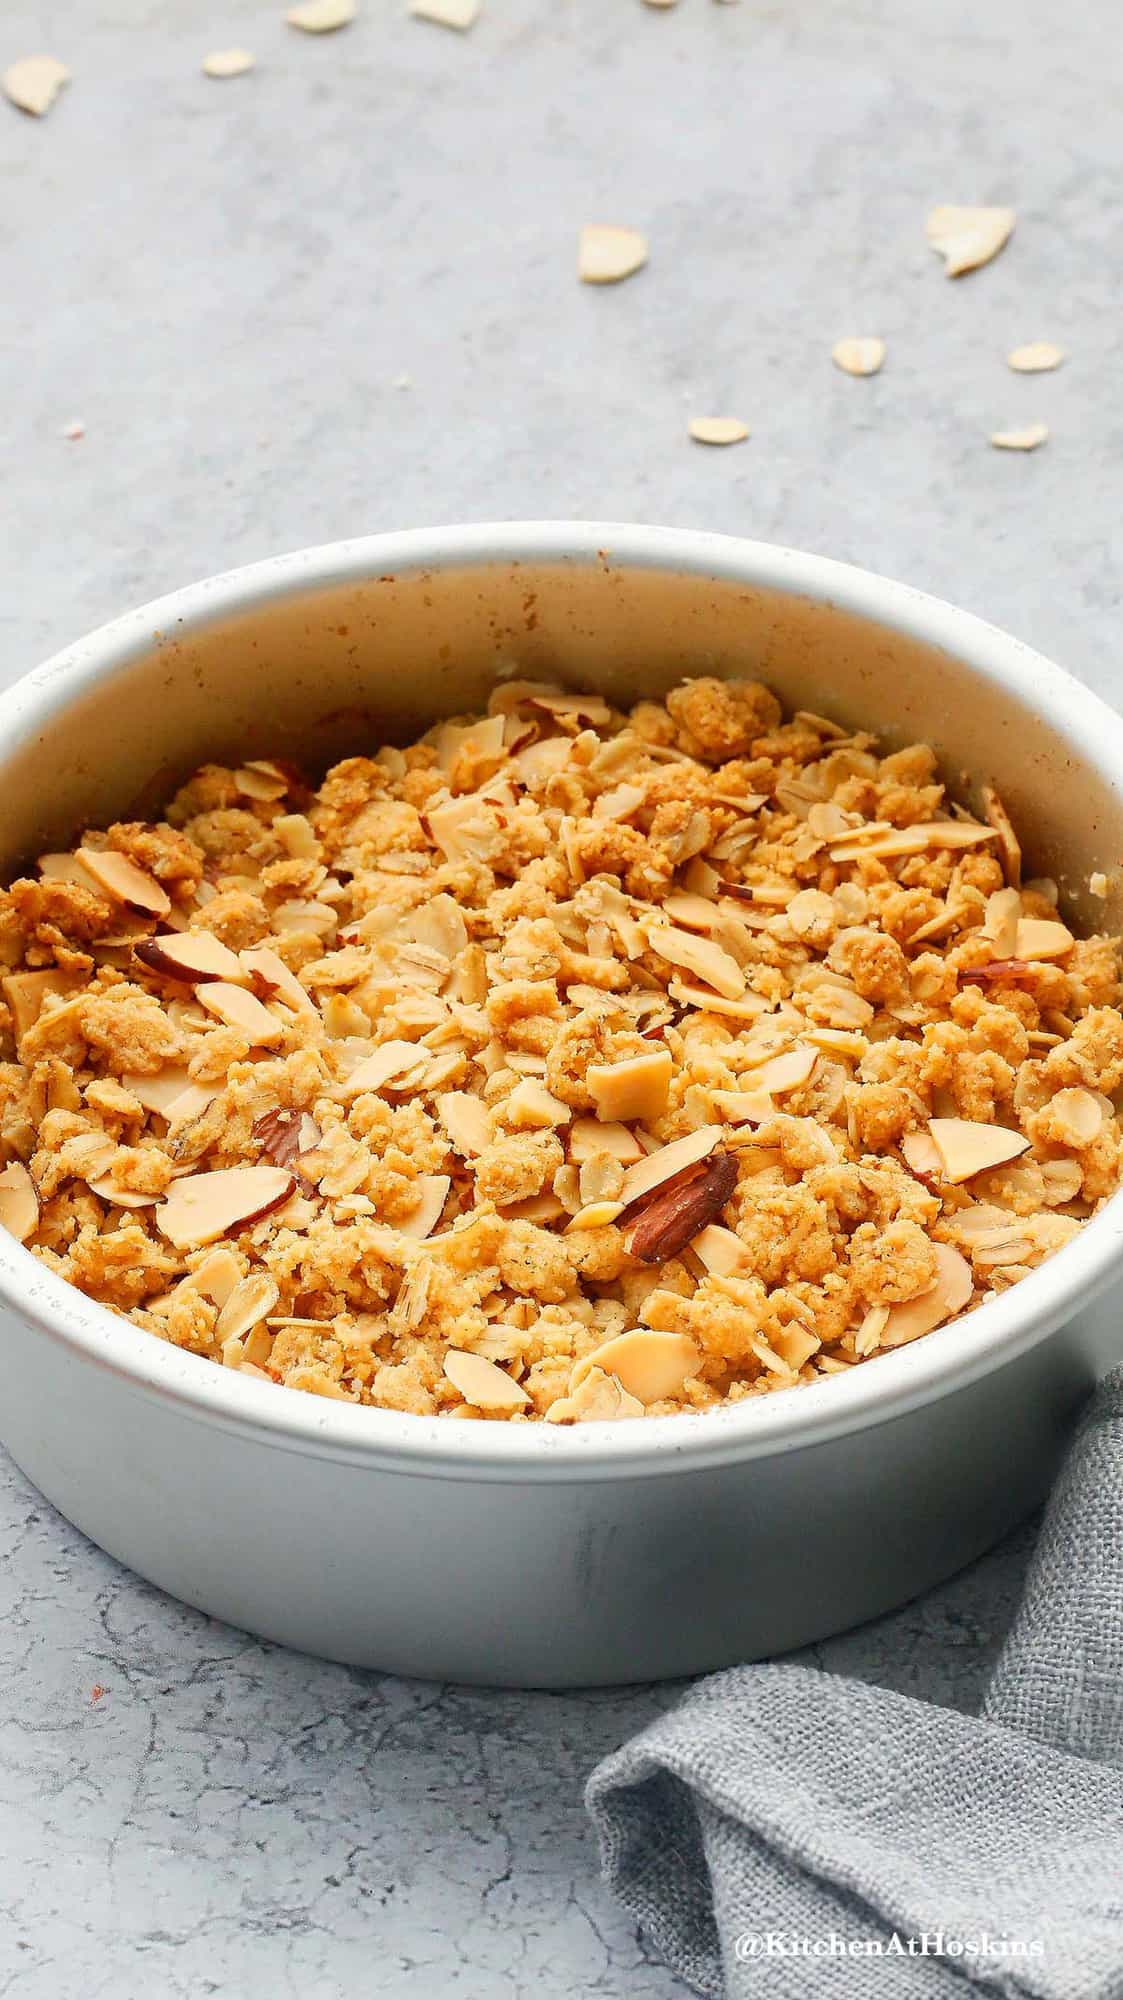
<point x="718" y="430"/>
<point x="1027" y="438"/>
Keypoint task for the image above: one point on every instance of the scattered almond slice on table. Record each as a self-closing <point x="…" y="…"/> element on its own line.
<point x="227" y="62"/>
<point x="606" y="253"/>
<point x="1026" y="439"/>
<point x="968" y="237"/>
<point x="1036" y="358"/>
<point x="460" y="14"/>
<point x="33" y="83"/>
<point x="860" y="354"/>
<point x="322" y="17"/>
<point x="718" y="430"/>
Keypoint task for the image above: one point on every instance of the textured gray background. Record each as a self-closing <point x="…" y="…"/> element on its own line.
<point x="224" y="281"/>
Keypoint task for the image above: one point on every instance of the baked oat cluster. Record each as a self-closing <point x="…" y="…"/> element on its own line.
<point x="568" y="1064"/>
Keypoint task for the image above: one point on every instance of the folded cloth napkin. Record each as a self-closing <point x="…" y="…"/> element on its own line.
<point x="791" y="1833"/>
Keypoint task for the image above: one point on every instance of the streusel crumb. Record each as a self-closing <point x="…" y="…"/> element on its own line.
<point x="568" y="1064"/>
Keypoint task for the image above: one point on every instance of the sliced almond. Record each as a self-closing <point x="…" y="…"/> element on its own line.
<point x="944" y="1300"/>
<point x="27" y="992"/>
<point x="460" y="14"/>
<point x="968" y="237"/>
<point x="202" y="1207"/>
<point x="157" y="1092"/>
<point x="1077" y="1116"/>
<point x="267" y="965"/>
<point x="19" y="1202"/>
<point x="252" y="1299"/>
<point x="590" y="1136"/>
<point x="599" y="1398"/>
<point x="699" y="955"/>
<point x="239" y="1009"/>
<point x="860" y="354"/>
<point x="785" y="1072"/>
<point x="1043" y="938"/>
<point x="747" y="1008"/>
<point x="1001" y="919"/>
<point x="531" y="1107"/>
<point x="322" y="17"/>
<point x="282" y="1135"/>
<point x="607" y="253"/>
<point x="33" y="83"/>
<point x="1036" y="357"/>
<point x="922" y="1154"/>
<point x="227" y="62"/>
<point x="482" y="1383"/>
<point x="391" y="1062"/>
<point x="467" y="1121"/>
<point x="743" y="1107"/>
<point x="868" y="1337"/>
<point x="967" y="1148"/>
<point x="1026" y="439"/>
<point x="596" y="1215"/>
<point x="930" y="837"/>
<point x="123" y="879"/>
<point x="193" y="956"/>
<point x="107" y="1190"/>
<point x="650" y="1366"/>
<point x="717" y="430"/>
<point x="190" y="1103"/>
<point x="721" y="1251"/>
<point x="638" y="1087"/>
<point x="65" y="868"/>
<point x="433" y="1193"/>
<point x="675" y="1213"/>
<point x="665" y="1161"/>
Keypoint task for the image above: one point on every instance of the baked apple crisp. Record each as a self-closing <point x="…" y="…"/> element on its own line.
<point x="567" y="1064"/>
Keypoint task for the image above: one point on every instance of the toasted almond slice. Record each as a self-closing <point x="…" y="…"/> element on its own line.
<point x="868" y="1337"/>
<point x="541" y="1208"/>
<point x="944" y="1300"/>
<point x="483" y="1384"/>
<point x="967" y="1148"/>
<point x="251" y="1300"/>
<point x="647" y="1365"/>
<point x="1001" y="919"/>
<point x="33" y="83"/>
<point x="1042" y="938"/>
<point x="19" y="1202"/>
<point x="531" y="1107"/>
<point x="124" y="880"/>
<point x="202" y="1207"/>
<point x="930" y="837"/>
<point x="597" y="1215"/>
<point x="467" y="1121"/>
<point x="1035" y="357"/>
<point x="1063" y="1180"/>
<point x="322" y="17"/>
<point x="215" y="1277"/>
<point x="27" y="992"/>
<point x="239" y="1009"/>
<point x="570" y="705"/>
<point x="811" y="914"/>
<point x="747" y="1008"/>
<point x="620" y="802"/>
<point x="460" y="14"/>
<point x="701" y="956"/>
<point x="590" y="1136"/>
<point x="191" y="1103"/>
<point x="107" y="1190"/>
<point x="860" y="354"/>
<point x="425" y="1217"/>
<point x="968" y="237"/>
<point x="156" y="1093"/>
<point x="606" y="253"/>
<point x="695" y="913"/>
<point x="266" y="964"/>
<point x="666" y="1161"/>
<point x="228" y="62"/>
<point x="721" y="1250"/>
<point x="1027" y="438"/>
<point x="638" y="1087"/>
<point x="65" y="868"/>
<point x="193" y="956"/>
<point x="743" y="1107"/>
<point x="1078" y="1115"/>
<point x="922" y="1154"/>
<point x="717" y="430"/>
<point x="785" y="1072"/>
<point x="599" y="1398"/>
<point x="392" y="1061"/>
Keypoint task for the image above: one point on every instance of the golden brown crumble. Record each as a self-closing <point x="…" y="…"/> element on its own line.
<point x="568" y="1064"/>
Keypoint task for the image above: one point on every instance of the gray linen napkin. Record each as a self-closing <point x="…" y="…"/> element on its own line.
<point x="791" y="1833"/>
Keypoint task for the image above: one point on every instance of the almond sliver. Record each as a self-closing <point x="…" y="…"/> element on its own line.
<point x="699" y="955"/>
<point x="660" y="1166"/>
<point x="636" y="1088"/>
<point x="1042" y="938"/>
<point x="967" y="1148"/>
<point x="590" y="1136"/>
<point x="968" y="237"/>
<point x="239" y="1009"/>
<point x="482" y="1383"/>
<point x="19" y="1202"/>
<point x="425" y="1217"/>
<point x="202" y="1207"/>
<point x="123" y="879"/>
<point x="944" y="1300"/>
<point x="647" y="1365"/>
<point x="607" y="253"/>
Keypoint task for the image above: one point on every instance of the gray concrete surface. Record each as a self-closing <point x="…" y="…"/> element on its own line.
<point x="224" y="282"/>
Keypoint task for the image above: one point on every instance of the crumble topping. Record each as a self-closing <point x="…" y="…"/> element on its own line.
<point x="565" y="1065"/>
